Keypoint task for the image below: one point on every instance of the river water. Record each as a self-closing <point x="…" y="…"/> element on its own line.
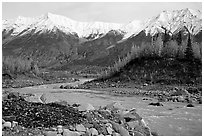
<point x="172" y="119"/>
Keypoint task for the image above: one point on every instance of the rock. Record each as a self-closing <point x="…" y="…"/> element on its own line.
<point x="154" y="134"/>
<point x="114" y="106"/>
<point x="108" y="125"/>
<point x="133" y="124"/>
<point x="61" y="87"/>
<point x="67" y="132"/>
<point x="53" y="129"/>
<point x="87" y="125"/>
<point x="193" y="90"/>
<point x="87" y="133"/>
<point x="156" y="104"/>
<point x="72" y="128"/>
<point x="14" y="124"/>
<point x="180" y="99"/>
<point x="7" y="125"/>
<point x="147" y="131"/>
<point x="109" y="130"/>
<point x="86" y="107"/>
<point x="59" y="129"/>
<point x="43" y="98"/>
<point x="136" y="133"/>
<point x="190" y="105"/>
<point x="90" y="107"/>
<point x="104" y="121"/>
<point x="113" y="85"/>
<point x="80" y="128"/>
<point x="104" y="130"/>
<point x="101" y="135"/>
<point x="116" y="134"/>
<point x="3" y="121"/>
<point x="121" y="130"/>
<point x="142" y="123"/>
<point x="50" y="133"/>
<point x="93" y="132"/>
<point x="132" y="115"/>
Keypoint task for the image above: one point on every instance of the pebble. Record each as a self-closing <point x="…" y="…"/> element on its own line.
<point x="67" y="132"/>
<point x="7" y="125"/>
<point x="80" y="128"/>
<point x="93" y="132"/>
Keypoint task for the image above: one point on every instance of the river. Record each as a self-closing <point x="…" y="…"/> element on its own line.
<point x="172" y="119"/>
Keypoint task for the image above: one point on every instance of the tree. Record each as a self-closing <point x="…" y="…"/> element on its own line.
<point x="179" y="38"/>
<point x="189" y="50"/>
<point x="166" y="36"/>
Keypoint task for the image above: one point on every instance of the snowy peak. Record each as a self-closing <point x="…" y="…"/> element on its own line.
<point x="173" y="21"/>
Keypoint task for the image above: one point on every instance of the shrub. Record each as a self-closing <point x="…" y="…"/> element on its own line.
<point x="189" y="55"/>
<point x="170" y="50"/>
<point x="17" y="65"/>
<point x="185" y="49"/>
<point x="197" y="50"/>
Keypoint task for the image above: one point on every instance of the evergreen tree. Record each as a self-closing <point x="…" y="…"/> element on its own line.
<point x="179" y="38"/>
<point x="189" y="51"/>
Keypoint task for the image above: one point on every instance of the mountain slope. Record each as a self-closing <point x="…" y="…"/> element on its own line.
<point x="51" y="39"/>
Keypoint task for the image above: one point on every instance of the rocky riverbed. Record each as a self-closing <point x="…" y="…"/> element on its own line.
<point x="61" y="119"/>
<point x="168" y="119"/>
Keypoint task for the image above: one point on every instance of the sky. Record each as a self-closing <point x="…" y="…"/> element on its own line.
<point x="117" y="12"/>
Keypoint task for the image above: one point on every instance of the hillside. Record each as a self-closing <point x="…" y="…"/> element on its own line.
<point x="55" y="40"/>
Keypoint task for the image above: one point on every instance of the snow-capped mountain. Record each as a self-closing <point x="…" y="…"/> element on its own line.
<point x="175" y="21"/>
<point x="51" y="22"/>
<point x="172" y="21"/>
<point x="50" y="38"/>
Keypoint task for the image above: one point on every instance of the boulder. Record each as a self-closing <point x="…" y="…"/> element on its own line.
<point x="136" y="133"/>
<point x="114" y="106"/>
<point x="14" y="124"/>
<point x="3" y="121"/>
<point x="190" y="105"/>
<point x="104" y="130"/>
<point x="86" y="107"/>
<point x="109" y="130"/>
<point x="67" y="132"/>
<point x="156" y="104"/>
<point x="120" y="129"/>
<point x="59" y="129"/>
<point x="180" y="99"/>
<point x="7" y="125"/>
<point x="116" y="134"/>
<point x="133" y="124"/>
<point x="80" y="128"/>
<point x="108" y="125"/>
<point x="50" y="133"/>
<point x="93" y="132"/>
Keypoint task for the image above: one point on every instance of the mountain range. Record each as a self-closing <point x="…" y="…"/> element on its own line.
<point x="52" y="39"/>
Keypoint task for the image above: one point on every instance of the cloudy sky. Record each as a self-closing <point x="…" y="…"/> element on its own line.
<point x="119" y="12"/>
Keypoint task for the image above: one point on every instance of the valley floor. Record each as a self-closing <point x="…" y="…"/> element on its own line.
<point x="171" y="119"/>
